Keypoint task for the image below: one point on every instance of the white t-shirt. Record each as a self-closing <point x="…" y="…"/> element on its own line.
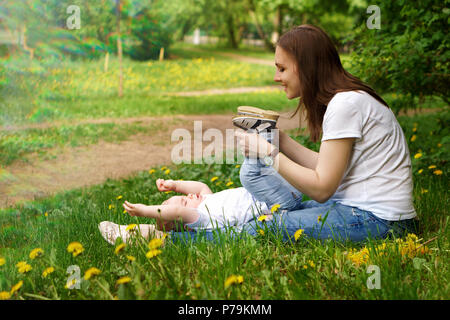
<point x="228" y="208"/>
<point x="379" y="177"/>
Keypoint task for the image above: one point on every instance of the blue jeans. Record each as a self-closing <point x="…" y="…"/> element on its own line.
<point x="329" y="220"/>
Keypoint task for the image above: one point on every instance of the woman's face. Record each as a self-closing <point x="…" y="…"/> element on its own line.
<point x="287" y="73"/>
<point x="190" y="201"/>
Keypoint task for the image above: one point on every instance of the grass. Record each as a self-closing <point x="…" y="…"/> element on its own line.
<point x="36" y="92"/>
<point x="19" y="144"/>
<point x="188" y="50"/>
<point x="304" y="269"/>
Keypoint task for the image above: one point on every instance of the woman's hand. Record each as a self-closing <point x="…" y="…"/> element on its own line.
<point x="253" y="145"/>
<point x="165" y="185"/>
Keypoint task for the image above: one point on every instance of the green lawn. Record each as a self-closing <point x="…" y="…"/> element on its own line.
<point x="303" y="269"/>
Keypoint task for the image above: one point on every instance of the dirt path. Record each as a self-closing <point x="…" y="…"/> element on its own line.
<point x="84" y="166"/>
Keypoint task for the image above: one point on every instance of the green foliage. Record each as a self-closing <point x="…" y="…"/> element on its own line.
<point x="47" y="33"/>
<point x="409" y="54"/>
<point x="147" y="36"/>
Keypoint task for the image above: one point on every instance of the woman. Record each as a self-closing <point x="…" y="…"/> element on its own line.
<point x="360" y="180"/>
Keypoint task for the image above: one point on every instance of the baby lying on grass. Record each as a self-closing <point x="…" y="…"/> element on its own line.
<point x="198" y="209"/>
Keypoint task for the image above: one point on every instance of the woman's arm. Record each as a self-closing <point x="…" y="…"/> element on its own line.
<point x="321" y="182"/>
<point x="296" y="152"/>
<point x="162" y="212"/>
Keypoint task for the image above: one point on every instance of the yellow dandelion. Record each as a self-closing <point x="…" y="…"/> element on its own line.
<point x="439" y="145"/>
<point x="229" y="183"/>
<point x="417" y="155"/>
<point x="167" y="171"/>
<point x="298" y="234"/>
<point x="163" y="168"/>
<point x="420" y="171"/>
<point x="46" y="214"/>
<point x="358" y="257"/>
<point x="123" y="280"/>
<point x="214" y="179"/>
<point x="75" y="248"/>
<point x="131" y="258"/>
<point x="47" y="271"/>
<point x="91" y="272"/>
<point x="131" y="227"/>
<point x="151" y="171"/>
<point x="262" y="218"/>
<point x="119" y="248"/>
<point x="155" y="243"/>
<point x="23" y="267"/>
<point x="218" y="183"/>
<point x="16" y="287"/>
<point x="311" y="263"/>
<point x="111" y="206"/>
<point x="119" y="197"/>
<point x="274" y="208"/>
<point x="70" y="284"/>
<point x="5" y="295"/>
<point x="305" y="266"/>
<point x="413" y="138"/>
<point x="36" y="253"/>
<point x="2" y="261"/>
<point x="261" y="232"/>
<point x="124" y="211"/>
<point x="237" y="166"/>
<point x="437" y="172"/>
<point x="233" y="279"/>
<point x="153" y="253"/>
<point x="432" y="167"/>
<point x="414" y="129"/>
<point x="319" y="218"/>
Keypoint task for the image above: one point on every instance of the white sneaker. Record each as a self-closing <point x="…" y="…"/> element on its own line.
<point x="111" y="231"/>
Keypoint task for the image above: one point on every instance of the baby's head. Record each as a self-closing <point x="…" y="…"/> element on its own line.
<point x="190" y="201"/>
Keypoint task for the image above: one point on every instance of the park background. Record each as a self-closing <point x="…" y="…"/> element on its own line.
<point x="87" y="108"/>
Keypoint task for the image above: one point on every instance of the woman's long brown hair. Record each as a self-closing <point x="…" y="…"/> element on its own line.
<point x="320" y="71"/>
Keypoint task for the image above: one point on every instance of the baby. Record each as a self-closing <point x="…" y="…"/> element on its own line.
<point x="198" y="209"/>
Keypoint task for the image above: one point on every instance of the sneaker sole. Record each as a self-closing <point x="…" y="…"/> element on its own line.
<point x="250" y="122"/>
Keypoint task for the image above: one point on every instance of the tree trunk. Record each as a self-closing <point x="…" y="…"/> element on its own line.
<point x="24" y="43"/>
<point x="231" y="32"/>
<point x="106" y="61"/>
<point x="119" y="47"/>
<point x="267" y="41"/>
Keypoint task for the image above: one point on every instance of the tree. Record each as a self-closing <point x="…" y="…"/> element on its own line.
<point x="409" y="54"/>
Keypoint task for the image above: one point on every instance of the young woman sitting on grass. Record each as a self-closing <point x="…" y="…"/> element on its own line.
<point x="199" y="210"/>
<point x="360" y="181"/>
